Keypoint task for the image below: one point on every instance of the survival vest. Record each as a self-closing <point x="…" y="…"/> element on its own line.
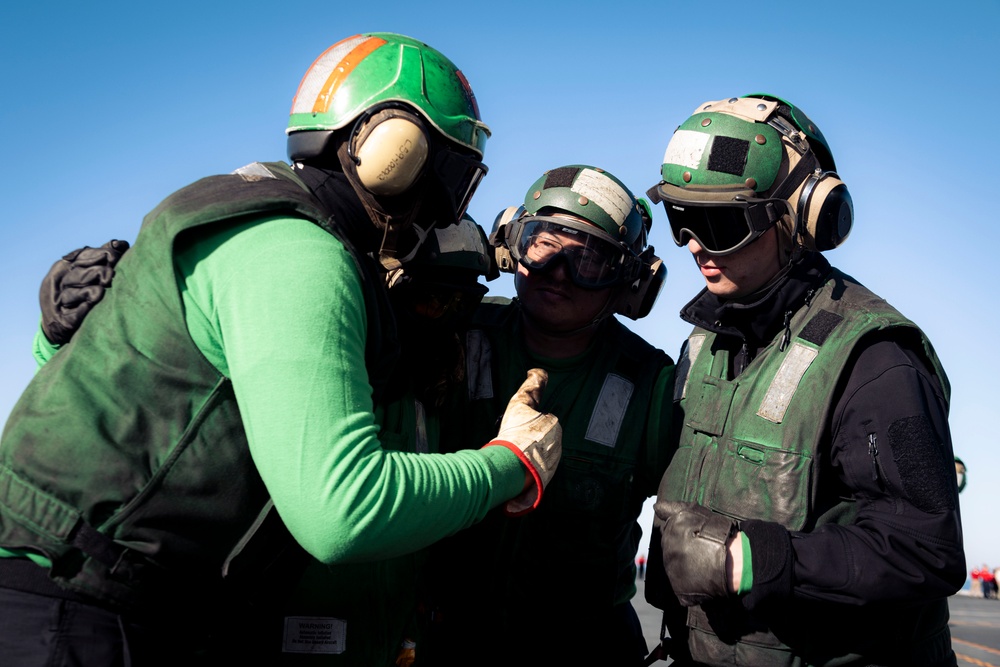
<point x="750" y="448"/>
<point x="584" y="535"/>
<point x="125" y="461"/>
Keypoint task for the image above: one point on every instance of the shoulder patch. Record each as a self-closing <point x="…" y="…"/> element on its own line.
<point x="820" y="327"/>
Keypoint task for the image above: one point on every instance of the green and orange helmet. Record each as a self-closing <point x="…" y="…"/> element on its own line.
<point x="401" y="121"/>
<point x="374" y="69"/>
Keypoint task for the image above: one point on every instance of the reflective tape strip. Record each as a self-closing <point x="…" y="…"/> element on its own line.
<point x="460" y="237"/>
<point x="686" y="148"/>
<point x="603" y="191"/>
<point x="329" y="71"/>
<point x="688" y="357"/>
<point x="254" y="171"/>
<point x="422" y="445"/>
<point x="609" y="413"/>
<point x="786" y="381"/>
<point x="478" y="355"/>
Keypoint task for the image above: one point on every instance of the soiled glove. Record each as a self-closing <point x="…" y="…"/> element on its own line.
<point x="694" y="540"/>
<point x="535" y="437"/>
<point x="74" y="285"/>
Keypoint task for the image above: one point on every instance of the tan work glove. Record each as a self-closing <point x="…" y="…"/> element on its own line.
<point x="535" y="437"/>
<point x="407" y="653"/>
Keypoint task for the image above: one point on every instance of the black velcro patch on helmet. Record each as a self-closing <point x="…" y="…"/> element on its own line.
<point x="562" y="177"/>
<point x="729" y="155"/>
<point x="820" y="327"/>
<point x="926" y="477"/>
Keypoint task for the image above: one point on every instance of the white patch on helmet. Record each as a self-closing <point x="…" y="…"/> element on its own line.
<point x="604" y="192"/>
<point x="315" y="81"/>
<point x="461" y="237"/>
<point x="686" y="148"/>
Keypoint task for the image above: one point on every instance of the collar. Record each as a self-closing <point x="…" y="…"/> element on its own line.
<point x="758" y="318"/>
<point x="341" y="202"/>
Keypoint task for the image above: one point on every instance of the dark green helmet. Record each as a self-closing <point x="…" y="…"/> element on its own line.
<point x="593" y="195"/>
<point x="739" y="166"/>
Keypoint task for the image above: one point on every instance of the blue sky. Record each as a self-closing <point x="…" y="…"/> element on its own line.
<point x="108" y="107"/>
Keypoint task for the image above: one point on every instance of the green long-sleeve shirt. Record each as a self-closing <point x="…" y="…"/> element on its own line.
<point x="276" y="306"/>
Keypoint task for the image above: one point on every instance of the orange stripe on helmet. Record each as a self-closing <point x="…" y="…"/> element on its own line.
<point x="339" y="72"/>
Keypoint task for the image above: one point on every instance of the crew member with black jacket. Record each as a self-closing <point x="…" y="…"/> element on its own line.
<point x="810" y="515"/>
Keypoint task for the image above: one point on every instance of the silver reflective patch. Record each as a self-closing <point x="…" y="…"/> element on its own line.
<point x="688" y="356"/>
<point x="316" y="84"/>
<point x="609" y="413"/>
<point x="456" y="238"/>
<point x="686" y="148"/>
<point x="422" y="445"/>
<point x="603" y="191"/>
<point x="785" y="382"/>
<point x="478" y="355"/>
<point x="255" y="171"/>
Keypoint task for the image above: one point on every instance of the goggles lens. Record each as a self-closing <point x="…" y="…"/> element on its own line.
<point x="593" y="262"/>
<point x="460" y="175"/>
<point x="721" y="229"/>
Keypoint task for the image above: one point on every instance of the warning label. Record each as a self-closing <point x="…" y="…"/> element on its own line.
<point x="314" y="634"/>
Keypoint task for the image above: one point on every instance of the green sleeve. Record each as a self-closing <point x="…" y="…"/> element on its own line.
<point x="277" y="307"/>
<point x="42" y="349"/>
<point x="746" y="576"/>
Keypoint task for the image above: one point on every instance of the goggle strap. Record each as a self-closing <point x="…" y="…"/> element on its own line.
<point x="796" y="176"/>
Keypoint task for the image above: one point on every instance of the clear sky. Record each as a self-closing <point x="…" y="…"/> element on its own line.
<point x="107" y="107"/>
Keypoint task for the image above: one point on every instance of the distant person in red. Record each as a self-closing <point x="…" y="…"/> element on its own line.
<point x="987" y="580"/>
<point x="641" y="567"/>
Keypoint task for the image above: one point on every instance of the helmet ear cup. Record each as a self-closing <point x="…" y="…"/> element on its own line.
<point x="825" y="211"/>
<point x="499" y="238"/>
<point x="637" y="297"/>
<point x="390" y="151"/>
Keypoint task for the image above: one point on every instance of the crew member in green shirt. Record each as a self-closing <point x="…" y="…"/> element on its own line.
<point x="216" y="410"/>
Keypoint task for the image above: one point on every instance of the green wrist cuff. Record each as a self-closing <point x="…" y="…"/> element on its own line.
<point x="746" y="577"/>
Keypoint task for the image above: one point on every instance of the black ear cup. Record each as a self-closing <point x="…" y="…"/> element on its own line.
<point x="637" y="298"/>
<point x="499" y="238"/>
<point x="390" y="150"/>
<point x="825" y="212"/>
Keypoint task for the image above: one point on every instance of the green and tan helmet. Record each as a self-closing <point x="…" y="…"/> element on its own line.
<point x="379" y="68"/>
<point x="586" y="219"/>
<point x="738" y="166"/>
<point x="594" y="195"/>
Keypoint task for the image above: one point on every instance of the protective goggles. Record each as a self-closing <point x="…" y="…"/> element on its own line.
<point x="460" y="175"/>
<point x="720" y="227"/>
<point x="594" y="260"/>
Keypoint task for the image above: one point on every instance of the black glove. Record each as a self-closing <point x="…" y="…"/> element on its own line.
<point x="695" y="542"/>
<point x="74" y="285"/>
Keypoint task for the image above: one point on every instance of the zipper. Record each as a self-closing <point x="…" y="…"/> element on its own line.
<point x="876" y="463"/>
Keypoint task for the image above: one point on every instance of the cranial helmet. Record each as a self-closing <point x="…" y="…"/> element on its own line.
<point x="738" y="166"/>
<point x="608" y="226"/>
<point x="400" y="120"/>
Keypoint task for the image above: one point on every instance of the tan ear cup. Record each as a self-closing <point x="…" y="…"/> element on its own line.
<point x="391" y="155"/>
<point x="826" y="212"/>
